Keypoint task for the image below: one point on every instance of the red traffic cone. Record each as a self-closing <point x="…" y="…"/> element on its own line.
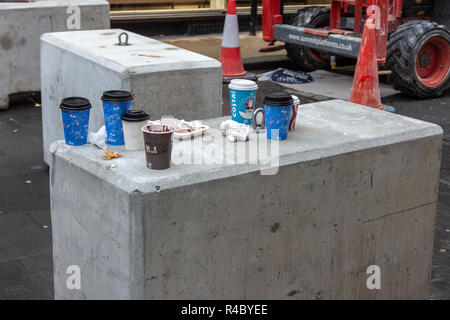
<point x="230" y="54"/>
<point x="366" y="88"/>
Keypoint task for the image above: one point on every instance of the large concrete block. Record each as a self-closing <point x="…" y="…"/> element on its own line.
<point x="356" y="187"/>
<point x="21" y="26"/>
<point x="163" y="79"/>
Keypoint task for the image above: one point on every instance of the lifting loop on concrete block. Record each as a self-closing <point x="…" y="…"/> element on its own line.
<point x="124" y="43"/>
<point x="258" y="127"/>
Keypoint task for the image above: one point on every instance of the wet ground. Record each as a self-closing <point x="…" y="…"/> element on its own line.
<point x="435" y="111"/>
<point x="25" y="226"/>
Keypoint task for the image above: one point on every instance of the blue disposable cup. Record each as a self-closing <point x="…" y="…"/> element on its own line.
<point x="75" y="117"/>
<point x="277" y="112"/>
<point x="242" y="100"/>
<point x="115" y="104"/>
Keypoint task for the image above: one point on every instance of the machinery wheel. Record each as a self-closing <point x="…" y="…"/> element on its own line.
<point x="418" y="55"/>
<point x="309" y="59"/>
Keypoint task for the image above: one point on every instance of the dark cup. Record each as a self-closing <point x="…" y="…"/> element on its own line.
<point x="158" y="148"/>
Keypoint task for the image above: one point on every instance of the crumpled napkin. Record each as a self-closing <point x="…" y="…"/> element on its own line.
<point x="98" y="138"/>
<point x="235" y="131"/>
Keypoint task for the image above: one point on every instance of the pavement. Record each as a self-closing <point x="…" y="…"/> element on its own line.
<point x="210" y="45"/>
<point x="26" y="270"/>
<point x="335" y="85"/>
<point x="25" y="225"/>
<point x="436" y="111"/>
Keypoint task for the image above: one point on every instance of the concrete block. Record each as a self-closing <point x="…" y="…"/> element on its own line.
<point x="163" y="79"/>
<point x="21" y="26"/>
<point x="355" y="187"/>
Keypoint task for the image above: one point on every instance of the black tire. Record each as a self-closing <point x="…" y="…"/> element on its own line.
<point x="306" y="58"/>
<point x="403" y="50"/>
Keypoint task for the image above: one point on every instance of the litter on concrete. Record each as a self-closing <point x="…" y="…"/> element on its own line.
<point x="98" y="138"/>
<point x="282" y="75"/>
<point x="235" y="131"/>
<point x="183" y="129"/>
<point x="111" y="155"/>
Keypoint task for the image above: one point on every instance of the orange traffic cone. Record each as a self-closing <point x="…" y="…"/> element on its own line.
<point x="230" y="54"/>
<point x="366" y="88"/>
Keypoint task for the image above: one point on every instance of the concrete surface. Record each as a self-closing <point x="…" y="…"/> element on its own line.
<point x="22" y="24"/>
<point x="162" y="78"/>
<point x="189" y="233"/>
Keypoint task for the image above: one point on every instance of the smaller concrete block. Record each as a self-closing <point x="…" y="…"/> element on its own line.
<point x="163" y="79"/>
<point x="22" y="24"/>
<point x="355" y="187"/>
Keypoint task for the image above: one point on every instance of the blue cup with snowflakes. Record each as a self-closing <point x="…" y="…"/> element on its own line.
<point x="75" y="117"/>
<point x="115" y="104"/>
<point x="242" y="100"/>
<point x="277" y="113"/>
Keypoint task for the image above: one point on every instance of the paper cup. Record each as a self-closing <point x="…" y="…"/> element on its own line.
<point x="294" y="113"/>
<point x="75" y="117"/>
<point x="132" y="123"/>
<point x="242" y="100"/>
<point x="115" y="104"/>
<point x="277" y="111"/>
<point x="158" y="148"/>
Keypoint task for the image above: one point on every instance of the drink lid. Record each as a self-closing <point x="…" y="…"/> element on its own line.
<point x="75" y="104"/>
<point x="278" y="99"/>
<point x="135" y="115"/>
<point x="242" y="84"/>
<point x="296" y="100"/>
<point x="117" y="96"/>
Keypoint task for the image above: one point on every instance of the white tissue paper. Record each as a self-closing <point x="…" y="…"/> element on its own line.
<point x="235" y="131"/>
<point x="98" y="138"/>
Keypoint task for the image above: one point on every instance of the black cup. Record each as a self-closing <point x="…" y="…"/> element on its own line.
<point x="158" y="149"/>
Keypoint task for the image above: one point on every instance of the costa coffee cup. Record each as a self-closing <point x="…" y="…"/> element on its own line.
<point x="242" y="100"/>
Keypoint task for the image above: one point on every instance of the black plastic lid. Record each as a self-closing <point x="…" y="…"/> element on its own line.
<point x="117" y="95"/>
<point x="278" y="99"/>
<point x="135" y="115"/>
<point x="75" y="104"/>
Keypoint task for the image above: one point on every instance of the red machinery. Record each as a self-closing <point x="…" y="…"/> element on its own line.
<point x="414" y="48"/>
